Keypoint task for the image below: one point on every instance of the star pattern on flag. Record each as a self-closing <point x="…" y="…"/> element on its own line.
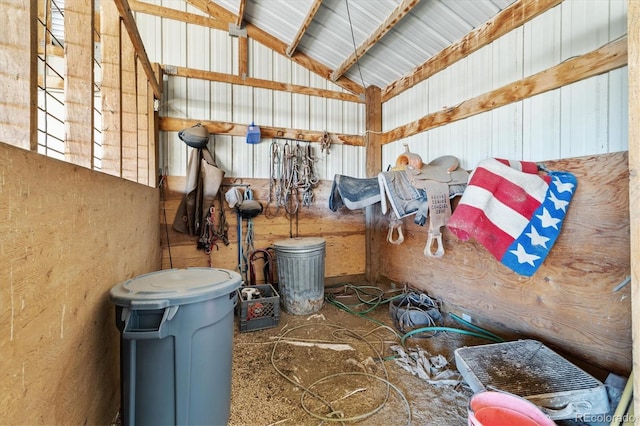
<point x="563" y="186"/>
<point x="548" y="220"/>
<point x="523" y="256"/>
<point x="558" y="203"/>
<point x="536" y="238"/>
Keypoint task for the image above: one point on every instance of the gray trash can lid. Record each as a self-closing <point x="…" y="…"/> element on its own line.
<point x="174" y="287"/>
<point x="299" y="243"/>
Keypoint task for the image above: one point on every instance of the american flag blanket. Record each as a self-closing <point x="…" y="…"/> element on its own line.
<point x="513" y="211"/>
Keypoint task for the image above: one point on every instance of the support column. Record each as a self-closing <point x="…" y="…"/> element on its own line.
<point x="633" y="48"/>
<point x="373" y="214"/>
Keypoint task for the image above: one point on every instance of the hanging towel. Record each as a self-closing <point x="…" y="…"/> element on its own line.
<point x="513" y="211"/>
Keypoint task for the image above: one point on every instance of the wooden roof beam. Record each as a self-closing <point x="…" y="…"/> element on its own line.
<point x="276" y="45"/>
<point x="240" y="17"/>
<point x="262" y="84"/>
<point x="177" y="15"/>
<point x="400" y="12"/>
<point x="303" y="28"/>
<point x="511" y="17"/>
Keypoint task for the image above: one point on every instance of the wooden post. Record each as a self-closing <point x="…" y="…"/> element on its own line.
<point x="374" y="166"/>
<point x="111" y="90"/>
<point x="633" y="46"/>
<point x="243" y="57"/>
<point x="142" y="122"/>
<point x="78" y="82"/>
<point x="18" y="79"/>
<point x="154" y="131"/>
<point x="128" y="107"/>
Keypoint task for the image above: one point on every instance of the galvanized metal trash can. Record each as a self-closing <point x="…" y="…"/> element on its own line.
<point x="175" y="346"/>
<point x="301" y="274"/>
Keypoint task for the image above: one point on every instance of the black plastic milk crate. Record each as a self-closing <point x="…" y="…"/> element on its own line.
<point x="261" y="312"/>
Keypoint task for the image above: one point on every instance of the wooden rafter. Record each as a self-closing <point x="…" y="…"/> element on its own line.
<point x="240" y="17"/>
<point x="127" y="18"/>
<point x="177" y="15"/>
<point x="303" y="28"/>
<point x="256" y="82"/>
<point x="599" y="61"/>
<point x="400" y="12"/>
<point x="511" y="17"/>
<point x="275" y="44"/>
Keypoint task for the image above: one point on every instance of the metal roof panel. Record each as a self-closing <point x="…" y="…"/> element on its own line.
<point x="340" y="26"/>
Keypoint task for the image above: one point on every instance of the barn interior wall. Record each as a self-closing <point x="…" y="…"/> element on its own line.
<point x="584" y="125"/>
<point x="583" y="120"/>
<point x="251" y="164"/>
<point x="68" y="235"/>
<point x="576" y="302"/>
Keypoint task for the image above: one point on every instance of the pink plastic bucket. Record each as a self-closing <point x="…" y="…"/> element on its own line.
<point x="489" y="408"/>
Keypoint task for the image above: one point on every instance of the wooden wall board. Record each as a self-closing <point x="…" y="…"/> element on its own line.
<point x="129" y="105"/>
<point x="79" y="96"/>
<point x="18" y="120"/>
<point x="633" y="23"/>
<point x="145" y="173"/>
<point x="69" y="235"/>
<point x="343" y="231"/>
<point x="110" y="89"/>
<point x="570" y="301"/>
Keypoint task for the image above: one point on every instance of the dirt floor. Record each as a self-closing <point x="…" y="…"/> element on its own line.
<point x="315" y="369"/>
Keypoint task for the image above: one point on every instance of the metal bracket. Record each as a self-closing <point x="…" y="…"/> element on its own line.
<point x="237" y="31"/>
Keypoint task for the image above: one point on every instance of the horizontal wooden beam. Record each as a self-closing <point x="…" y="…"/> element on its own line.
<point x="256" y="82"/>
<point x="599" y="61"/>
<point x="175" y="124"/>
<point x="177" y="15"/>
<point x="130" y="24"/>
<point x="275" y="44"/>
<point x="508" y="19"/>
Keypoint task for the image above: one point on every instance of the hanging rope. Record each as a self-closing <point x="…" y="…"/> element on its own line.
<point x="291" y="179"/>
<point x="275" y="180"/>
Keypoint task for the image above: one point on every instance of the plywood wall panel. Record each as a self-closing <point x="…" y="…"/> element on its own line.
<point x="70" y="234"/>
<point x="570" y="302"/>
<point x="343" y="231"/>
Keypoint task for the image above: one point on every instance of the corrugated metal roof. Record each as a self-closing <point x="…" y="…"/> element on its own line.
<point x="339" y="26"/>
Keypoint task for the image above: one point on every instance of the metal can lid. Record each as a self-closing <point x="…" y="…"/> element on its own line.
<point x="299" y="243"/>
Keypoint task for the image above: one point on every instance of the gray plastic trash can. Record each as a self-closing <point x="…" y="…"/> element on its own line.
<point x="301" y="274"/>
<point x="176" y="344"/>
